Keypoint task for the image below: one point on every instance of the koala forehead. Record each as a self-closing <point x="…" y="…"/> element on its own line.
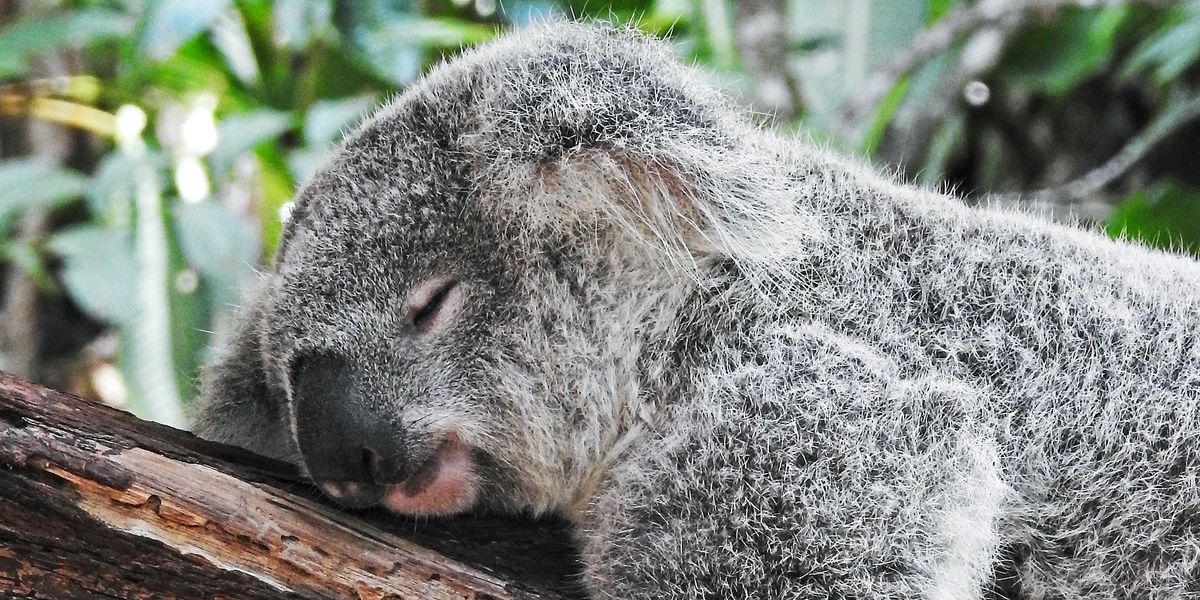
<point x="426" y="184"/>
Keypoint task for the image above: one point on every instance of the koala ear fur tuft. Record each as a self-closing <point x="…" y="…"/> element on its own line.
<point x="688" y="202"/>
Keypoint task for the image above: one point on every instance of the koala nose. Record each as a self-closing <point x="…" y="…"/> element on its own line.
<point x="342" y="437"/>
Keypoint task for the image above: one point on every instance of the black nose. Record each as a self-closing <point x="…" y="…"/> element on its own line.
<point x="343" y="436"/>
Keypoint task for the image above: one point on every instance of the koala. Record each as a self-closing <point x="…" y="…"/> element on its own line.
<point x="563" y="274"/>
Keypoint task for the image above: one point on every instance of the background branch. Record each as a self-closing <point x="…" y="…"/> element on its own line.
<point x="1078" y="196"/>
<point x="97" y="504"/>
<point x="762" y="40"/>
<point x="940" y="37"/>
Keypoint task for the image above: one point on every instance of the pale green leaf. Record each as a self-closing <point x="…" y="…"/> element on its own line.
<point x="240" y="133"/>
<point x="99" y="271"/>
<point x="173" y="22"/>
<point x="26" y="183"/>
<point x="26" y="38"/>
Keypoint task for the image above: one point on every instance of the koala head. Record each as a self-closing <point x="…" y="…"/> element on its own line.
<point x="466" y="300"/>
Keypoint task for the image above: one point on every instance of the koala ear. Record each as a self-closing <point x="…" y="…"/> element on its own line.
<point x="608" y="125"/>
<point x="687" y="200"/>
<point x="238" y="404"/>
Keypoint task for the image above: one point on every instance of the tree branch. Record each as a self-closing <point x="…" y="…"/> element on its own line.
<point x="1077" y="196"/>
<point x="95" y="503"/>
<point x="940" y="37"/>
<point x="763" y="46"/>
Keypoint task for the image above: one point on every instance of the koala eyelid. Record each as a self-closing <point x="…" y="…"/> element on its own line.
<point x="428" y="300"/>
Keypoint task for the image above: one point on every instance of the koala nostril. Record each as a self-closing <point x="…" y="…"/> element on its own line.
<point x="373" y="463"/>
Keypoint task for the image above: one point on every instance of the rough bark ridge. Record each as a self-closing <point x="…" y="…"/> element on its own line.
<point x="95" y="503"/>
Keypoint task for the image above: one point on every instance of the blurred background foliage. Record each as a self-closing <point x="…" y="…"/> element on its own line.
<point x="148" y="149"/>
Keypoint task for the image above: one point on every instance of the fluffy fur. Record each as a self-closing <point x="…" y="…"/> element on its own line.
<point x="742" y="366"/>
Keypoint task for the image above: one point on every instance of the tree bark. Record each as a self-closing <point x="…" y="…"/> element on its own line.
<point x="95" y="503"/>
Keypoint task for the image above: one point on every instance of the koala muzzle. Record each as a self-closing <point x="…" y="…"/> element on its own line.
<point x="343" y="437"/>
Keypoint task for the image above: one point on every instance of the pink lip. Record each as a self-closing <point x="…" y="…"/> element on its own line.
<point x="444" y="485"/>
<point x="447" y="484"/>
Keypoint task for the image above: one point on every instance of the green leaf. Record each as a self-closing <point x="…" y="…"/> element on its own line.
<point x="298" y="22"/>
<point x="240" y="133"/>
<point x="1165" y="216"/>
<point x="173" y="22"/>
<point x="31" y="37"/>
<point x="849" y="42"/>
<point x="1172" y="50"/>
<point x="26" y="183"/>
<point x="946" y="139"/>
<point x="442" y="32"/>
<point x="303" y="163"/>
<point x="1057" y="56"/>
<point x="110" y="194"/>
<point x="217" y="243"/>
<point x="99" y="271"/>
<point x="883" y="116"/>
<point x="327" y="120"/>
<point x="277" y="188"/>
<point x="27" y="259"/>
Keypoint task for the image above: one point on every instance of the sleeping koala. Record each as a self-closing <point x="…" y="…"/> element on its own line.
<point x="562" y="274"/>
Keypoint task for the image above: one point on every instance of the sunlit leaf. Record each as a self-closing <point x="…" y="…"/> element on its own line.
<point x="443" y="32"/>
<point x="30" y="37"/>
<point x="523" y="12"/>
<point x="946" y="139"/>
<point x="230" y="37"/>
<point x="26" y="183"/>
<point x="111" y="191"/>
<point x="298" y="22"/>
<point x="26" y="258"/>
<point x="173" y="22"/>
<point x="277" y="186"/>
<point x="852" y="40"/>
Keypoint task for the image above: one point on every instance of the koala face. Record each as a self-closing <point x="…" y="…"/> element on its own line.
<point x="462" y="298"/>
<point x="385" y="323"/>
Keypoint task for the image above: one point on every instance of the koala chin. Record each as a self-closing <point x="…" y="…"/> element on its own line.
<point x="563" y="274"/>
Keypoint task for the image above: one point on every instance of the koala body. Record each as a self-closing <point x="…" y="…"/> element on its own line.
<point x="562" y="274"/>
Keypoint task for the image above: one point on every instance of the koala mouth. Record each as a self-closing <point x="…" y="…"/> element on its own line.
<point x="444" y="484"/>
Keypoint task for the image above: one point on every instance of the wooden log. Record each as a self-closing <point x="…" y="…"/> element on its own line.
<point x="95" y="503"/>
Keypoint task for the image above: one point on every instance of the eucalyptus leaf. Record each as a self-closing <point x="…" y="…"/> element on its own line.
<point x="31" y="37"/>
<point x="1166" y="216"/>
<point x="240" y="133"/>
<point x="1056" y="57"/>
<point x="848" y="42"/>
<point x="26" y="258"/>
<point x="110" y="195"/>
<point x="1171" y="51"/>
<point x="303" y="163"/>
<point x="327" y="120"/>
<point x="299" y="22"/>
<point x="223" y="247"/>
<point x="173" y="22"/>
<point x="99" y="271"/>
<point x="27" y="183"/>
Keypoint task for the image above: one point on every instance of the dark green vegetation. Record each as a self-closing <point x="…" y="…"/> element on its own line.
<point x="148" y="149"/>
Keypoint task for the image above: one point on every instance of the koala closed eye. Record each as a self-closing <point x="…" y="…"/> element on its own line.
<point x="433" y="304"/>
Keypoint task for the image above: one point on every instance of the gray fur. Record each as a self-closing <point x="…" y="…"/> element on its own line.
<point x="742" y="366"/>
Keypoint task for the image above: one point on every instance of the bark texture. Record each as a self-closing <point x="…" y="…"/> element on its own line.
<point x="95" y="503"/>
